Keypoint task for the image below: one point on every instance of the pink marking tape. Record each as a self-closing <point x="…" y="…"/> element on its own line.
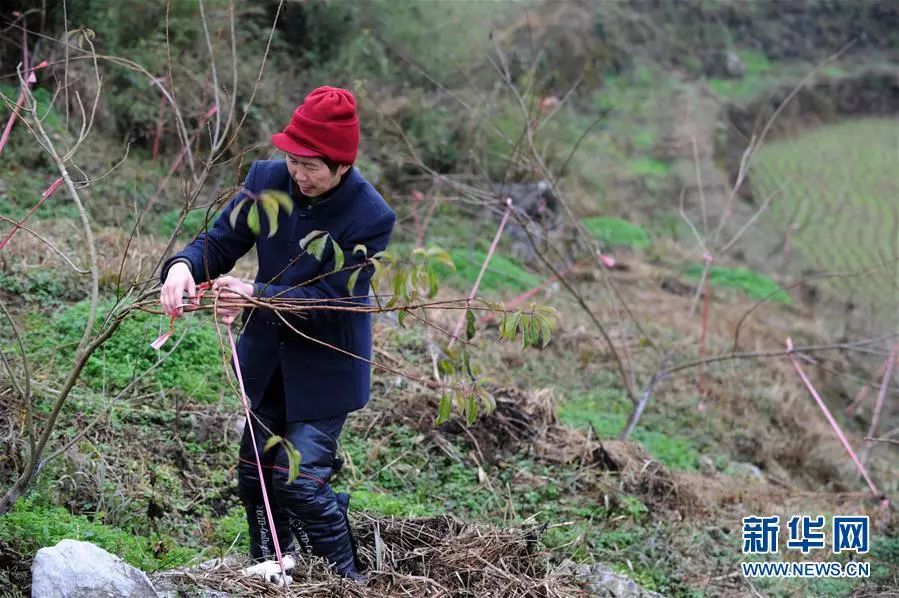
<point x="50" y="190"/>
<point x="157" y="344"/>
<point x="31" y="80"/>
<point x="246" y="406"/>
<point x="884" y="502"/>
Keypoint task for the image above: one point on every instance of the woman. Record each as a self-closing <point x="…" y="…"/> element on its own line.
<point x="300" y="385"/>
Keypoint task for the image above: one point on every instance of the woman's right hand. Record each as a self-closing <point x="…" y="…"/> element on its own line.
<point x="179" y="281"/>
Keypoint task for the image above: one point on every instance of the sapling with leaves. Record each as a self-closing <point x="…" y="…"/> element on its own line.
<point x="409" y="283"/>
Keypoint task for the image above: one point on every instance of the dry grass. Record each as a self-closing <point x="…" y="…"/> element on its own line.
<point x="437" y="556"/>
<point x="523" y="421"/>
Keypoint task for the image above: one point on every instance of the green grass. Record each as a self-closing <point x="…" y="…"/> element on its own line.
<point x="762" y="75"/>
<point x="616" y="232"/>
<point x="645" y="139"/>
<point x="607" y="411"/>
<point x="757" y="286"/>
<point x="30" y="527"/>
<point x="503" y="274"/>
<point x="195" y="369"/>
<point x="645" y="166"/>
<point x="193" y="223"/>
<point x="758" y="76"/>
<point x="833" y="70"/>
<point x="388" y="505"/>
<point x="231" y="530"/>
<point x="47" y="288"/>
<point x="836" y="188"/>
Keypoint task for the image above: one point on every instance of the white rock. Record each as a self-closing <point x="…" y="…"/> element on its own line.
<point x="73" y="568"/>
<point x="734" y="66"/>
<point x="601" y="581"/>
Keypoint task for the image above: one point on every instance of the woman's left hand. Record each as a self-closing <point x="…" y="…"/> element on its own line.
<point x="229" y="287"/>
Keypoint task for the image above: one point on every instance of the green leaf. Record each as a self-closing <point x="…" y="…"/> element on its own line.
<point x="445" y="409"/>
<point x="270" y="206"/>
<point x="432" y="281"/>
<point x="272" y="441"/>
<point x="399" y="285"/>
<point x="282" y="198"/>
<point x="351" y="282"/>
<point x="338" y="255"/>
<point x="442" y="256"/>
<point x="471" y="410"/>
<point x="293" y="461"/>
<point x="294" y="467"/>
<point x="524" y="328"/>
<point x="533" y="332"/>
<point x="469" y="324"/>
<point x="445" y="367"/>
<point x="232" y="218"/>
<point x="466" y="363"/>
<point x="517" y="325"/>
<point x="253" y="218"/>
<point x="489" y="402"/>
<point x="546" y="331"/>
<point x="409" y="288"/>
<point x="305" y="240"/>
<point x="316" y="247"/>
<point x="360" y="248"/>
<point x="510" y="325"/>
<point x="424" y="279"/>
<point x="504" y="325"/>
<point x="378" y="275"/>
<point x="401" y="317"/>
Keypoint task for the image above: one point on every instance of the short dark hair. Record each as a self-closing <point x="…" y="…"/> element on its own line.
<point x="331" y="164"/>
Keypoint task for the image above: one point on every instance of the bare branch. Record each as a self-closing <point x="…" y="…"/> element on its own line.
<point x="82" y="213"/>
<point x="46" y="242"/>
<point x="24" y="390"/>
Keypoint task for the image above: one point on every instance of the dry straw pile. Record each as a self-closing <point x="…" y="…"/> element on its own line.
<point x="436" y="556"/>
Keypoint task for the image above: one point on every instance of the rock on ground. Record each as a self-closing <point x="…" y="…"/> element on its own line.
<point x="601" y="582"/>
<point x="73" y="568"/>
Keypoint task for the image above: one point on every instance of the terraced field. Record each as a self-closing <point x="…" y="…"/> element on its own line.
<point x="837" y="208"/>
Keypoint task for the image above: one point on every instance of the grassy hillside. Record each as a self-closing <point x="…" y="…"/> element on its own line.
<point x="834" y="191"/>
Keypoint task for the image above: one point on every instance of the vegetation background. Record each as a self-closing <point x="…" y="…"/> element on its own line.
<point x="635" y="115"/>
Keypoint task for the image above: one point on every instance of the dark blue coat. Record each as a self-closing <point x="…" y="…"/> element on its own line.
<point x="319" y="382"/>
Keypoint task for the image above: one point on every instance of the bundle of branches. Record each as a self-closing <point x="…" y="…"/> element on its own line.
<point x="522" y="420"/>
<point x="437" y="556"/>
<point x="640" y="474"/>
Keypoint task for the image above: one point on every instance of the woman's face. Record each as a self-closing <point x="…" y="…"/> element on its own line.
<point x="312" y="175"/>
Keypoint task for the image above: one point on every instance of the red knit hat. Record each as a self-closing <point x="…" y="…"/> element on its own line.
<point x="324" y="125"/>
